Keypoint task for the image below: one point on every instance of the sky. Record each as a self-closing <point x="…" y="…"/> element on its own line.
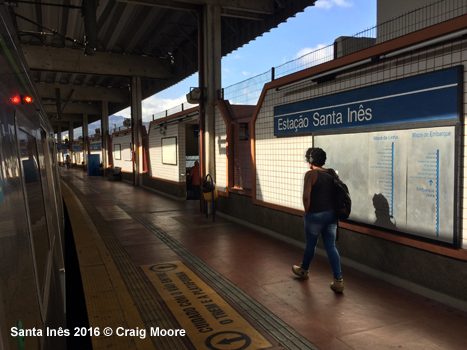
<point x="317" y="26"/>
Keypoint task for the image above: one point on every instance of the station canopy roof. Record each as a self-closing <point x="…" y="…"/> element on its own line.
<point x="82" y="52"/>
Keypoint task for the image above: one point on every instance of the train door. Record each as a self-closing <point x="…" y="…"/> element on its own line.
<point x="53" y="200"/>
<point x="35" y="208"/>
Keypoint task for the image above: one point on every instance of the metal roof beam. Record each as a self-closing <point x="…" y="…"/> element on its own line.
<point x="168" y="4"/>
<point x="73" y="108"/>
<point x="236" y="13"/>
<point x="258" y="6"/>
<point x="53" y="59"/>
<point x="83" y="93"/>
<point x="76" y="118"/>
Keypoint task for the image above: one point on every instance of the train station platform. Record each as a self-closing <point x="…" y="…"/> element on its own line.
<point x="158" y="274"/>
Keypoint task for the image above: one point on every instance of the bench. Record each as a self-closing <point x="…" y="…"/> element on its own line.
<point x="116" y="174"/>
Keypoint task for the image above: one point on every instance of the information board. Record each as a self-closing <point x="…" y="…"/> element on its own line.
<point x="402" y="180"/>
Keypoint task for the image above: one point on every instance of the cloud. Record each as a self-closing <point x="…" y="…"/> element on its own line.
<point x="312" y="56"/>
<point x="245" y="73"/>
<point x="327" y="4"/>
<point x="154" y="105"/>
<point x="151" y="105"/>
<point x="234" y="56"/>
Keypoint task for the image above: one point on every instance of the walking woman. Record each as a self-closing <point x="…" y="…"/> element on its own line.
<point x="320" y="216"/>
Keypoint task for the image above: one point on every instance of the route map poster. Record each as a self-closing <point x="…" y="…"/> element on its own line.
<point x="402" y="180"/>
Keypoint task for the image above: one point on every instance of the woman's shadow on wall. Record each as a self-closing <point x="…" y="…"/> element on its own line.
<point x="382" y="212"/>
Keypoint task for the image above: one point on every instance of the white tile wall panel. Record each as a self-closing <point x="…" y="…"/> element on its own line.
<point x="156" y="167"/>
<point x="221" y="151"/>
<point x="124" y="140"/>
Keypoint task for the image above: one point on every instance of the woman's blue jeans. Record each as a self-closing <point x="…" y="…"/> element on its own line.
<point x="324" y="223"/>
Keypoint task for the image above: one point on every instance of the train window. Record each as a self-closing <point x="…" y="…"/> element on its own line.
<point x="46" y="161"/>
<point x="36" y="206"/>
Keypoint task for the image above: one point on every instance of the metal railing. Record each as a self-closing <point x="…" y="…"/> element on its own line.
<point x="163" y="114"/>
<point x="434" y="13"/>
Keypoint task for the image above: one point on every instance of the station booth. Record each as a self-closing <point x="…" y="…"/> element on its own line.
<point x="172" y="146"/>
<point x="172" y="149"/>
<point x="122" y="156"/>
<point x="78" y="156"/>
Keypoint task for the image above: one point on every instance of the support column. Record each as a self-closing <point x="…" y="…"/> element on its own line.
<point x="70" y="140"/>
<point x="85" y="140"/>
<point x="70" y="132"/>
<point x="210" y="78"/>
<point x="136" y="124"/>
<point x="104" y="134"/>
<point x="59" y="141"/>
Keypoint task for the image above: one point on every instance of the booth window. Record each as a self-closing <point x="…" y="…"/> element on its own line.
<point x="243" y="133"/>
<point x="118" y="152"/>
<point x="126" y="152"/>
<point x="169" y="150"/>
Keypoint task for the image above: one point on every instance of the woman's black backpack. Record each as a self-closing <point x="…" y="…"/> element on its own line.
<point x="342" y="200"/>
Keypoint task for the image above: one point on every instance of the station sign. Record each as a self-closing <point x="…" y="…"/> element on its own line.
<point x="426" y="97"/>
<point x="95" y="146"/>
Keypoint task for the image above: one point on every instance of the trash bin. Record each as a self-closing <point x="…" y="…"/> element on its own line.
<point x="210" y="191"/>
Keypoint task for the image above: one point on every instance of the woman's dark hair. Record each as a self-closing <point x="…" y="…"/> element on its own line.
<point x="316" y="156"/>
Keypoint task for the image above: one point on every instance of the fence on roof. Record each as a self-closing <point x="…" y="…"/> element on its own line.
<point x="248" y="91"/>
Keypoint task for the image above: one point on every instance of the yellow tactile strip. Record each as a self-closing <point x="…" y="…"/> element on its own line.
<point x="109" y="302"/>
<point x="208" y="319"/>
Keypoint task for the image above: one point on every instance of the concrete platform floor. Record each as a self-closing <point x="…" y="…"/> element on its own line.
<point x="370" y="314"/>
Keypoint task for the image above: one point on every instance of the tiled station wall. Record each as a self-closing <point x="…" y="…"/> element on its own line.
<point x="280" y="164"/>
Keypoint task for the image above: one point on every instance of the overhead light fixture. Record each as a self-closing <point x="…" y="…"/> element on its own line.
<point x="195" y="95"/>
<point x="324" y="78"/>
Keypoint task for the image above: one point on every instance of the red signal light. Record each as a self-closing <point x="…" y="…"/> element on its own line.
<point x="16" y="99"/>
